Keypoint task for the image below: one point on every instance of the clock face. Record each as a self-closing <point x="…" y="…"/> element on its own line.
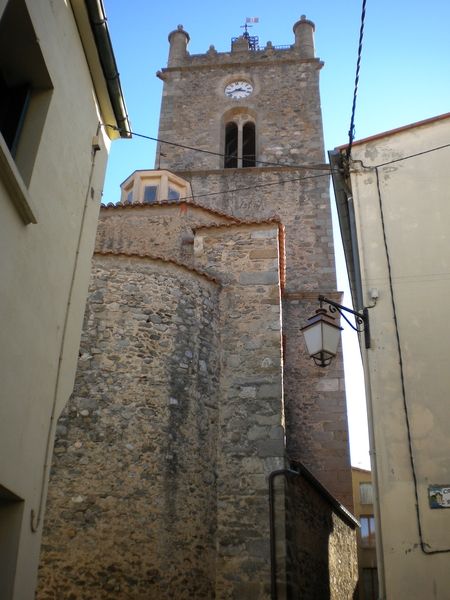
<point x="238" y="90"/>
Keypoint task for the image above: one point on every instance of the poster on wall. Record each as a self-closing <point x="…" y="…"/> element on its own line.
<point x="439" y="496"/>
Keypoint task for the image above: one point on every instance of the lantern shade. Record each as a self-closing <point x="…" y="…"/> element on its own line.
<point x="322" y="336"/>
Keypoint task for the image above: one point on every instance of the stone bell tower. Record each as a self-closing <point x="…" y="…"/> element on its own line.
<point x="255" y="112"/>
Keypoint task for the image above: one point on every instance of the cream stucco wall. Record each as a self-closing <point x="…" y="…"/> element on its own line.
<point x="44" y="278"/>
<point x="412" y="196"/>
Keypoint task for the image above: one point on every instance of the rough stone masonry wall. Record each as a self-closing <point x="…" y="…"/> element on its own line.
<point x="302" y="206"/>
<point x="323" y="562"/>
<point x="316" y="415"/>
<point x="251" y="434"/>
<point x="132" y="501"/>
<point x="316" y="426"/>
<point x="316" y="420"/>
<point x="285" y="104"/>
<point x="155" y="230"/>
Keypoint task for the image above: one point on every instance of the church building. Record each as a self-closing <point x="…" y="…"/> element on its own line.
<point x="195" y="403"/>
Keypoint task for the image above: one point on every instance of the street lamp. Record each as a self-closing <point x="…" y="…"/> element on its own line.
<point x="322" y="333"/>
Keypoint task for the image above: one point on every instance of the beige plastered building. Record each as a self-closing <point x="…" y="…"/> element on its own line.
<point x="57" y="86"/>
<point x="393" y="203"/>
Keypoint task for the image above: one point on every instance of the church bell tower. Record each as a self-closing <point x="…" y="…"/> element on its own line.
<point x="195" y="402"/>
<point x="251" y="126"/>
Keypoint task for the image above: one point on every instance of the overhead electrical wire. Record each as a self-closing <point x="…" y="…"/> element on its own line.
<point x="395" y="160"/>
<point x="252" y="187"/>
<point x="319" y="167"/>
<point x="244" y="188"/>
<point x="324" y="167"/>
<point x="351" y="131"/>
<point x="424" y="546"/>
<point x="327" y="168"/>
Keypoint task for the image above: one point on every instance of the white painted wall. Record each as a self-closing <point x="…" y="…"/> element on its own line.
<point x="415" y="197"/>
<point x="44" y="278"/>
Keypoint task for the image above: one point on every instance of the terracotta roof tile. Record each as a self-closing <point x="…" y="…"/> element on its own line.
<point x="235" y="221"/>
<point x="174" y="203"/>
<point x="157" y="258"/>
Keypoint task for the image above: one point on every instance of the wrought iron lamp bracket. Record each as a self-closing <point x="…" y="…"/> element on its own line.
<point x="361" y="317"/>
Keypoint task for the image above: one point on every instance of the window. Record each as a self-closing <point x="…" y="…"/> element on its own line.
<point x="367" y="531"/>
<point x="231" y="145"/>
<point x="366" y="493"/>
<point x="240" y="144"/>
<point x="11" y="514"/>
<point x="25" y="87"/>
<point x="150" y="194"/>
<point x="248" y="145"/>
<point x="173" y="194"/>
<point x="129" y="197"/>
<point x="370" y="584"/>
<point x="13" y="105"/>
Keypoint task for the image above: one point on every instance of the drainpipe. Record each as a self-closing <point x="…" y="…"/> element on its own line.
<point x="100" y="30"/>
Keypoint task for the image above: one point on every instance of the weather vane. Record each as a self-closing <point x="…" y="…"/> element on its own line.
<point x="252" y="40"/>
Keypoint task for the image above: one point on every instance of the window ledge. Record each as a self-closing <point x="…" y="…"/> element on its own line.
<point x="14" y="184"/>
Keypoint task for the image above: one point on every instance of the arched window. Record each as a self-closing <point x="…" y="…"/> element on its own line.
<point x="240" y="143"/>
<point x="231" y="146"/>
<point x="248" y="145"/>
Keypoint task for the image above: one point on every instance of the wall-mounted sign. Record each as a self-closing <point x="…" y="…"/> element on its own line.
<point x="439" y="496"/>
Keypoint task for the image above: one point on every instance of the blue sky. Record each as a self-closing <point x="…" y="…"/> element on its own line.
<point x="405" y="77"/>
<point x="405" y="70"/>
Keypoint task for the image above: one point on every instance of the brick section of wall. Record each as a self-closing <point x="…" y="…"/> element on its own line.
<point x="251" y="434"/>
<point x="323" y="561"/>
<point x="132" y="501"/>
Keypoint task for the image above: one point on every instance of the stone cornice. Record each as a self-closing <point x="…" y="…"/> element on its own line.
<point x="316" y="63"/>
<point x="252" y="170"/>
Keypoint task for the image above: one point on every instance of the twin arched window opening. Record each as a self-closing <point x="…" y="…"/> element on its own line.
<point x="240" y="145"/>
